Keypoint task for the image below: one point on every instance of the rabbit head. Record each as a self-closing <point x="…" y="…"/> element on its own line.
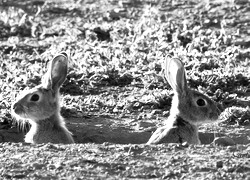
<point x="42" y="101"/>
<point x="194" y="107"/>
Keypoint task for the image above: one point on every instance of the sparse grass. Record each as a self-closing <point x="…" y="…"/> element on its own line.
<point x="125" y="50"/>
<point x="117" y="49"/>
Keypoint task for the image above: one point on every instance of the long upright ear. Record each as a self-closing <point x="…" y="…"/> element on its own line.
<point x="57" y="72"/>
<point x="176" y="75"/>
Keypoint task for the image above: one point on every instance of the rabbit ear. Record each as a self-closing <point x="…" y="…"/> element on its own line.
<point x="176" y="75"/>
<point x="57" y="72"/>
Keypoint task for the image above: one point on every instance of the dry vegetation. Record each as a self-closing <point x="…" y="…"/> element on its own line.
<point x="115" y="92"/>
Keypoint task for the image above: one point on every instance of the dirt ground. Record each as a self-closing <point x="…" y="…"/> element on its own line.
<point x="114" y="97"/>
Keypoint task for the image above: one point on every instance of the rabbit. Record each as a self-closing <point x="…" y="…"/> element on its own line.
<point x="40" y="106"/>
<point x="189" y="109"/>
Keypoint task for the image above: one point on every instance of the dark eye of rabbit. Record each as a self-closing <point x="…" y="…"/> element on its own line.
<point x="201" y="102"/>
<point x="34" y="97"/>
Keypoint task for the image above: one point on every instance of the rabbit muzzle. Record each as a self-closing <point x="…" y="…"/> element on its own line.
<point x="18" y="108"/>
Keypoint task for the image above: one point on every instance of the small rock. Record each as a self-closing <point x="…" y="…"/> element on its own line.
<point x="115" y="110"/>
<point x="224" y="141"/>
<point x="185" y="144"/>
<point x="219" y="164"/>
<point x="37" y="165"/>
<point x="231" y="148"/>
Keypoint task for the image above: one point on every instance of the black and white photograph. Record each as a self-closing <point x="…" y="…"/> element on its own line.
<point x="124" y="89"/>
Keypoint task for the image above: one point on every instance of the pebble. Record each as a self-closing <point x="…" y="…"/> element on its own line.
<point x="185" y="144"/>
<point x="219" y="164"/>
<point x="224" y="141"/>
<point x="231" y="148"/>
<point x="37" y="165"/>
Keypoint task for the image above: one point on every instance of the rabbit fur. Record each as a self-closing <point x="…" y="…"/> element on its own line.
<point x="189" y="109"/>
<point x="40" y="106"/>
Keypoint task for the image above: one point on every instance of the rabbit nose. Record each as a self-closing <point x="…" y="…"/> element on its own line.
<point x="14" y="106"/>
<point x="17" y="108"/>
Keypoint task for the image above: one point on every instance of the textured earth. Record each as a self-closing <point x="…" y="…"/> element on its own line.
<point x="114" y="97"/>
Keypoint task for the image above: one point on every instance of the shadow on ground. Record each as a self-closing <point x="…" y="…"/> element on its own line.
<point x="119" y="131"/>
<point x="100" y="130"/>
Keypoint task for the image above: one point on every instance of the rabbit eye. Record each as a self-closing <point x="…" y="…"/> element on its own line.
<point x="201" y="102"/>
<point x="34" y="97"/>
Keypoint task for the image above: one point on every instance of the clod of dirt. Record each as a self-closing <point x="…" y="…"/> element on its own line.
<point x="102" y="35"/>
<point x="219" y="164"/>
<point x="224" y="141"/>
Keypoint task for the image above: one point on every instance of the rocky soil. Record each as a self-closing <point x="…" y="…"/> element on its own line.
<point x="115" y="97"/>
